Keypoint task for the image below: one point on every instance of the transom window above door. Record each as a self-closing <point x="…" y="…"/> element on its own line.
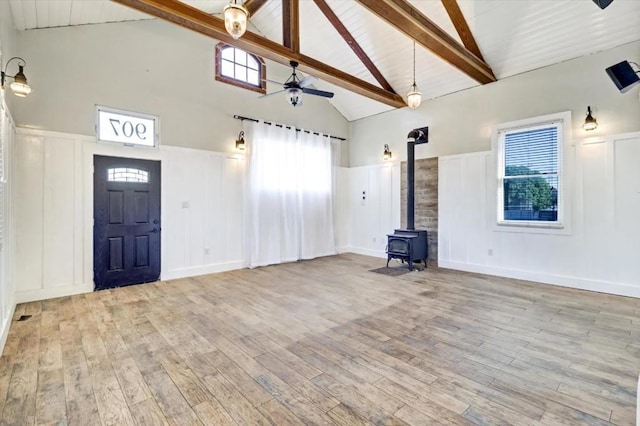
<point x="239" y="68"/>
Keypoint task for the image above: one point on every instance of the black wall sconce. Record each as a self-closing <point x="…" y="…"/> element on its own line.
<point x="19" y="86"/>
<point x="240" y="145"/>
<point x="590" y="123"/>
<point x="387" y="153"/>
<point x="623" y="75"/>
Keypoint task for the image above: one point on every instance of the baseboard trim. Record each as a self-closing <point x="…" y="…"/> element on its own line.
<point x="201" y="270"/>
<point x="363" y="251"/>
<point x="70" y="290"/>
<point x="4" y="334"/>
<point x="559" y="280"/>
<point x="50" y="293"/>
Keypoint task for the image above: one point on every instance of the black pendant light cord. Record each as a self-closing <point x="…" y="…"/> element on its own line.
<point x="414" y="65"/>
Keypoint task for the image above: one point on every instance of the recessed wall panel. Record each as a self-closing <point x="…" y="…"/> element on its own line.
<point x="116" y="253"/>
<point x="141" y="203"/>
<point x="142" y="250"/>
<point x="116" y="207"/>
<point x="58" y="212"/>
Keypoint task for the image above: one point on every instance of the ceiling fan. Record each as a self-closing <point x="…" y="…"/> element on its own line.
<point x="294" y="87"/>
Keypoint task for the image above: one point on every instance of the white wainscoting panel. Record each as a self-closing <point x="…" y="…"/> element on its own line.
<point x="30" y="207"/>
<point x="626" y="208"/>
<point x="201" y="208"/>
<point x="598" y="218"/>
<point x="60" y="210"/>
<point x="600" y="252"/>
<point x="8" y="211"/>
<point x="378" y="214"/>
<point x="341" y="198"/>
<point x="202" y="212"/>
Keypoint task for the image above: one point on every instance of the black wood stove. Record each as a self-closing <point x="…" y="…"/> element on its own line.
<point x="410" y="245"/>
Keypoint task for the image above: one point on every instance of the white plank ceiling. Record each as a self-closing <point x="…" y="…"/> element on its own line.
<point x="514" y="36"/>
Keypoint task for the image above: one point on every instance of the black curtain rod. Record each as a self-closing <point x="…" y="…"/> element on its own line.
<point x="241" y="118"/>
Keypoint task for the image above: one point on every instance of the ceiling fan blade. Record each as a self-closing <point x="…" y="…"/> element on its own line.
<point x="273" y="81"/>
<point x="307" y="81"/>
<point x="269" y="94"/>
<point x="317" y="92"/>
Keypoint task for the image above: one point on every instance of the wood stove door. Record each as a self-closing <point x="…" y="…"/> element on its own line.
<point x="398" y="246"/>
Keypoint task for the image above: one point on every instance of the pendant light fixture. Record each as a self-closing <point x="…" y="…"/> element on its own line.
<point x="590" y="123"/>
<point x="235" y="19"/>
<point x="414" y="98"/>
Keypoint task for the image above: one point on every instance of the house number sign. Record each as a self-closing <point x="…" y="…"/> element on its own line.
<point x="129" y="128"/>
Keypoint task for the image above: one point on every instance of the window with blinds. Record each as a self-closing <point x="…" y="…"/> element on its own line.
<point x="529" y="175"/>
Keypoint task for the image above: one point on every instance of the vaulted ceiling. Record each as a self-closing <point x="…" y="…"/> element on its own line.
<point x="363" y="49"/>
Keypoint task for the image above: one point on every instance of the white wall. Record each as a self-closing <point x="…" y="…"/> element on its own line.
<point x="153" y="67"/>
<point x="600" y="253"/>
<point x="597" y="252"/>
<point x="462" y="122"/>
<point x="7" y="47"/>
<point x="8" y="182"/>
<point x="364" y="223"/>
<point x="8" y="213"/>
<point x="202" y="212"/>
<point x="201" y="203"/>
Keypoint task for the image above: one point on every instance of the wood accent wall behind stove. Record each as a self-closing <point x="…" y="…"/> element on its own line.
<point x="426" y="199"/>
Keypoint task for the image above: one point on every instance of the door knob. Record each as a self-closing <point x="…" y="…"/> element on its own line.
<point x="155" y="230"/>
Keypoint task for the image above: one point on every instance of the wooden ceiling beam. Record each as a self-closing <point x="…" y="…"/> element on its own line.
<point x="253" y="6"/>
<point x="353" y="44"/>
<point x="291" y="24"/>
<point x="196" y="20"/>
<point x="409" y="20"/>
<point x="461" y="26"/>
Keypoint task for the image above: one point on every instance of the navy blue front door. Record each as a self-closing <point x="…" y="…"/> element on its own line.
<point x="126" y="230"/>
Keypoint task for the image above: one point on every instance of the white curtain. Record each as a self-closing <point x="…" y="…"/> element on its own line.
<point x="288" y="203"/>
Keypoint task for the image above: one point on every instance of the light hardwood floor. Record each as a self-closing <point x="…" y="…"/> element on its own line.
<point x="325" y="342"/>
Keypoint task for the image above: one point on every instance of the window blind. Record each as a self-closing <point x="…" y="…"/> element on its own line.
<point x="530" y="174"/>
<point x="531" y="152"/>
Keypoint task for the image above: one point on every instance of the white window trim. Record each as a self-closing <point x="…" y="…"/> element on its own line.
<point x="565" y="176"/>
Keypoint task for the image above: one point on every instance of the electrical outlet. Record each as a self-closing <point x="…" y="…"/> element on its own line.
<point x="490" y="252"/>
<point x="374" y="239"/>
<point x="185" y="204"/>
<point x="206" y="251"/>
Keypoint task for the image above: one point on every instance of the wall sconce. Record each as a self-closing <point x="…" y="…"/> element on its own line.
<point x="240" y="145"/>
<point x="590" y="123"/>
<point x="387" y="153"/>
<point x="235" y="19"/>
<point x="19" y="85"/>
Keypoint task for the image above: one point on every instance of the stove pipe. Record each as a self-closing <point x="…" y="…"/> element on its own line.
<point x="415" y="137"/>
